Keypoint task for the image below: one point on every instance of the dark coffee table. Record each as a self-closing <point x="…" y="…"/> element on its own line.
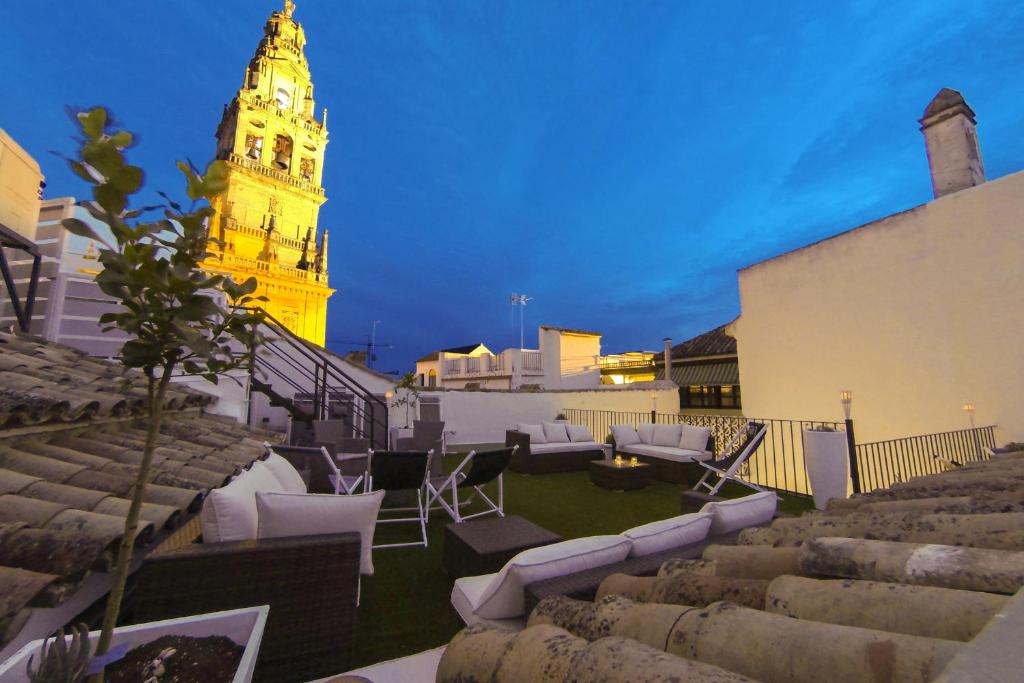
<point x="483" y="546"/>
<point x="624" y="477"/>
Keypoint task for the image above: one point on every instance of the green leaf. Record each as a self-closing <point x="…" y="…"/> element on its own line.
<point x="110" y="198"/>
<point x="82" y="171"/>
<point x="76" y="226"/>
<point x="128" y="179"/>
<point x="122" y="139"/>
<point x="93" y="122"/>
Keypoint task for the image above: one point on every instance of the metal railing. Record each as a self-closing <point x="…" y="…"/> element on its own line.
<point x="884" y="463"/>
<point x="532" y="360"/>
<point x="778" y="463"/>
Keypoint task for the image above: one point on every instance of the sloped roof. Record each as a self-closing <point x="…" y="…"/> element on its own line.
<point x="434" y="355"/>
<point x="569" y="330"/>
<point x="70" y="446"/>
<point x="712" y="343"/>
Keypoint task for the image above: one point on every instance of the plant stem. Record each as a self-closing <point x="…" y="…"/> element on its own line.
<point x="156" y="390"/>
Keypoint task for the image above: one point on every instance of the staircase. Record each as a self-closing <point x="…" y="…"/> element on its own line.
<point x="310" y="383"/>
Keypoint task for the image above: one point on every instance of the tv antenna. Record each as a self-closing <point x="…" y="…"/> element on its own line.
<point x="520" y="300"/>
<point x="370" y="344"/>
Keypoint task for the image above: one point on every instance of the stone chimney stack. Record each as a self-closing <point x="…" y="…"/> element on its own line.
<point x="668" y="358"/>
<point x="952" y="143"/>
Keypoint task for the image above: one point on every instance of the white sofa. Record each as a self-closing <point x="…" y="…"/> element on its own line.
<point x="671" y="450"/>
<point x="553" y="447"/>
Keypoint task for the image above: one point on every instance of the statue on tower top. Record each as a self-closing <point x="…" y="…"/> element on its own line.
<point x="289" y="8"/>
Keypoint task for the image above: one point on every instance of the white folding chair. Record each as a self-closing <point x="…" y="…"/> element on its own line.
<point x="726" y="468"/>
<point x="343" y="484"/>
<point x="475" y="471"/>
<point x="401" y="471"/>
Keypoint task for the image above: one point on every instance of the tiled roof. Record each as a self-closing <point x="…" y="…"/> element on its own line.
<point x="713" y="343"/>
<point x="570" y="330"/>
<point x="463" y="350"/>
<point x="71" y="441"/>
<point x="922" y="571"/>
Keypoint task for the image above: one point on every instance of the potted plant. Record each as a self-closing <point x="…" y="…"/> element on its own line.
<point x="407" y="394"/>
<point x="169" y="307"/>
<point x="235" y="634"/>
<point x="828" y="463"/>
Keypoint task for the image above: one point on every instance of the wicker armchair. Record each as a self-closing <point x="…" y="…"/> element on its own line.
<point x="309" y="582"/>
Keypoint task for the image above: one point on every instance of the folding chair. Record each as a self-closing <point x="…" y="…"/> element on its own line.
<point x="320" y="466"/>
<point x="752" y="434"/>
<point x="401" y="471"/>
<point x="483" y="468"/>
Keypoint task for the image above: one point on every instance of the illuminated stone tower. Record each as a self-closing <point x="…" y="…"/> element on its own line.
<point x="274" y="147"/>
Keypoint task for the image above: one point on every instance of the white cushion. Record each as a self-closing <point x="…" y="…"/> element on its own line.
<point x="666" y="453"/>
<point x="667" y="435"/>
<point x="536" y="433"/>
<point x="625" y="435"/>
<point x="309" y="514"/>
<point x="694" y="438"/>
<point x="646" y="433"/>
<point x="262" y="479"/>
<point x="555" y="432"/>
<point x="739" y="513"/>
<point x="570" y="447"/>
<point x="229" y="513"/>
<point x="579" y="433"/>
<point x="288" y="476"/>
<point x="669" y="533"/>
<point x="418" y="668"/>
<point x="503" y="597"/>
<point x="467" y="592"/>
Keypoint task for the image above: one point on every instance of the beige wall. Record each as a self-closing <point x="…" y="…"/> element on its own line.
<point x="917" y="314"/>
<point x="19" y="188"/>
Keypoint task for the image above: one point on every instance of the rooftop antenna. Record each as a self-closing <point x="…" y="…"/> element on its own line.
<point x="520" y="300"/>
<point x="373" y="343"/>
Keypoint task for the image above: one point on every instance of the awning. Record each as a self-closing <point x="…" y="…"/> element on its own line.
<point x="703" y="374"/>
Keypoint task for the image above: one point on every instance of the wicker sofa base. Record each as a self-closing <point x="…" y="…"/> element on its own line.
<point x="525" y="462"/>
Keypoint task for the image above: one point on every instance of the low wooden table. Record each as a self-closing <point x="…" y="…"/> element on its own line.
<point x="624" y="477"/>
<point x="483" y="546"/>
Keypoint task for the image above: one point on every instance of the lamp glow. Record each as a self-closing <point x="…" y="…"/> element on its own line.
<point x="846" y="398"/>
<point x="968" y="408"/>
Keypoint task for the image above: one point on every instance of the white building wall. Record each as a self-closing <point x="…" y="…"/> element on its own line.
<point x="917" y="314"/>
<point x="579" y="361"/>
<point x="483" y="416"/>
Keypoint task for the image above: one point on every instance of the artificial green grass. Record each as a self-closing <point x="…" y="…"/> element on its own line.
<point x="405" y="606"/>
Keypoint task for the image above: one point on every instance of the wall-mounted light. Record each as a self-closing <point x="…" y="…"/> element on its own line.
<point x="388" y="395"/>
<point x="846" y="398"/>
<point x="969" y="409"/>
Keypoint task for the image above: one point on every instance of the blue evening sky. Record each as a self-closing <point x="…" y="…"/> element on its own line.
<point x="615" y="160"/>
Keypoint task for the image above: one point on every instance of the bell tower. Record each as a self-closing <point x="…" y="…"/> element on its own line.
<point x="267" y="218"/>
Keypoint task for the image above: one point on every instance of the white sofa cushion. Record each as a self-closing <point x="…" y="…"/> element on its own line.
<point x="694" y="438"/>
<point x="667" y="435"/>
<point x="669" y="533"/>
<point x="646" y="433"/>
<point x="229" y="513"/>
<point x="467" y="592"/>
<point x="625" y="435"/>
<point x="262" y="479"/>
<point x="536" y="432"/>
<point x="309" y="514"/>
<point x="288" y="476"/>
<point x="565" y="447"/>
<point x="579" y="433"/>
<point x="554" y="432"/>
<point x="666" y="453"/>
<point x="418" y="668"/>
<point x="503" y="597"/>
<point x="739" y="513"/>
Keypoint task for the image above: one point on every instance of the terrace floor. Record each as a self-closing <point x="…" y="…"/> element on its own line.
<point x="405" y="605"/>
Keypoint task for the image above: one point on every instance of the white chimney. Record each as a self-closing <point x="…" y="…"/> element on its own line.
<point x="952" y="143"/>
<point x="668" y="358"/>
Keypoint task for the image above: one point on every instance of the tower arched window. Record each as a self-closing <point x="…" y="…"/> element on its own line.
<point x="282" y="152"/>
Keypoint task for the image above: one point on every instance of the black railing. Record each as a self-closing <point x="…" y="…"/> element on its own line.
<point x="884" y="463"/>
<point x="22" y="310"/>
<point x="777" y="464"/>
<point x="317" y="380"/>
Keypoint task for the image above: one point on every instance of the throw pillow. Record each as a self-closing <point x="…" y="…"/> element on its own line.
<point x="229" y="513"/>
<point x="624" y="435"/>
<point x="503" y="597"/>
<point x="646" y="433"/>
<point x="668" y="533"/>
<point x="262" y="478"/>
<point x="309" y="514"/>
<point x="536" y="432"/>
<point x="731" y="515"/>
<point x="555" y="432"/>
<point x="694" y="438"/>
<point x="288" y="476"/>
<point x="579" y="433"/>
<point x="667" y="435"/>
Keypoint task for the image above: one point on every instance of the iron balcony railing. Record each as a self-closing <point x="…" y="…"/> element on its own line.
<point x="884" y="463"/>
<point x="532" y="361"/>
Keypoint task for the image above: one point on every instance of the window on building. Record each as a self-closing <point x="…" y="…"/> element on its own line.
<point x="432" y="378"/>
<point x="710" y="396"/>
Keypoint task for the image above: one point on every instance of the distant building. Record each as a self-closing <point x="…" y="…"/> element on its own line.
<point x="21" y="181"/>
<point x="706" y="370"/>
<point x="627" y="367"/>
<point x="566" y="359"/>
<point x="917" y="313"/>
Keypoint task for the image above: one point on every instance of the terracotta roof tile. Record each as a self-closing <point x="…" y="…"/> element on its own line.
<point x="712" y="343"/>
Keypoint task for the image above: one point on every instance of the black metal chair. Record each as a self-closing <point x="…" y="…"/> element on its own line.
<point x="749" y="437"/>
<point x="400" y="471"/>
<point x="476" y="470"/>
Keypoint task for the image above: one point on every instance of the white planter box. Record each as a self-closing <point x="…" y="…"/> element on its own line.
<point x="243" y="626"/>
<point x="828" y="465"/>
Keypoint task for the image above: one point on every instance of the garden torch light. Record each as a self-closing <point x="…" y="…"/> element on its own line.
<point x="846" y="398"/>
